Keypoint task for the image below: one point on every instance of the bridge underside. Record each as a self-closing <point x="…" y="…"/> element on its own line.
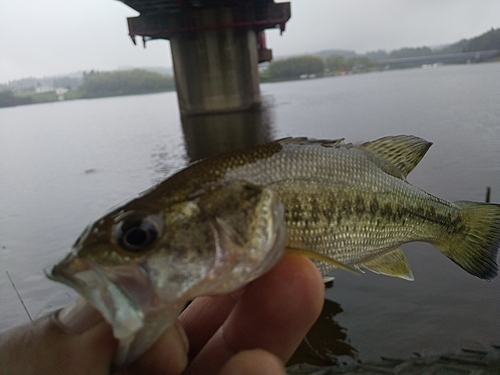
<point x="216" y="46"/>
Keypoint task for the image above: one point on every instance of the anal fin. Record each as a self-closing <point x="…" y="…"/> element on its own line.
<point x="392" y="263"/>
<point x="317" y="256"/>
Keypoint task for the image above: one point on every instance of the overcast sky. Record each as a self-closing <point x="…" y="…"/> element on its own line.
<point x="51" y="37"/>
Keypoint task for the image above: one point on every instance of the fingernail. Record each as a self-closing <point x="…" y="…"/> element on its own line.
<point x="183" y="336"/>
<point x="79" y="316"/>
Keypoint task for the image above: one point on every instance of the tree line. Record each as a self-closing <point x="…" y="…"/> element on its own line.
<point x="315" y="65"/>
<point x="9" y="99"/>
<point x="308" y="66"/>
<point x="125" y="82"/>
<point x="94" y="84"/>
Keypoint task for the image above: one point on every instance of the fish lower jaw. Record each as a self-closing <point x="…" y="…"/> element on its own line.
<point x="115" y="295"/>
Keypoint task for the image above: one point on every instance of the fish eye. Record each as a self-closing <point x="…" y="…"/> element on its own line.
<point x="135" y="232"/>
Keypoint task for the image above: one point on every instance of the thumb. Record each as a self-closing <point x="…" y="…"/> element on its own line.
<point x="77" y="318"/>
<point x="168" y="356"/>
<point x="74" y="340"/>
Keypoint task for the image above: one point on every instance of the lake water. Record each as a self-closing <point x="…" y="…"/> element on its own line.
<point x="63" y="164"/>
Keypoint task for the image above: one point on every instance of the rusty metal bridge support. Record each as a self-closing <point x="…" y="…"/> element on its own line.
<point x="216" y="47"/>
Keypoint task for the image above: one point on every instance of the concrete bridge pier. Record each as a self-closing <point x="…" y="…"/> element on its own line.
<point x="216" y="47"/>
<point x="216" y="70"/>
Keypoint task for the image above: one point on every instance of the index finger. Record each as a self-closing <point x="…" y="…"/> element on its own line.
<point x="274" y="313"/>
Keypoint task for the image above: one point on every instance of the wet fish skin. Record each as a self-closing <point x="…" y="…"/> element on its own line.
<point x="350" y="204"/>
<point x="353" y="203"/>
<point x="139" y="268"/>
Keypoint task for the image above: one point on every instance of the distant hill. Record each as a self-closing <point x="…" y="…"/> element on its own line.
<point x="484" y="42"/>
<point x="346" y="54"/>
<point x="157" y="69"/>
<point x="93" y="84"/>
<point x="71" y="81"/>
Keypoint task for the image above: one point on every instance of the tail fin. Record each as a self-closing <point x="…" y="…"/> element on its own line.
<point x="475" y="248"/>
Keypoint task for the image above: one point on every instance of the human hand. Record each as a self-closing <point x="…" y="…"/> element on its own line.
<point x="252" y="331"/>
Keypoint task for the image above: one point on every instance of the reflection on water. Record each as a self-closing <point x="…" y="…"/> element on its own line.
<point x="207" y="135"/>
<point x="327" y="342"/>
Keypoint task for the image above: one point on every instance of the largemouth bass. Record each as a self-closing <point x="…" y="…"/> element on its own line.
<point x="224" y="221"/>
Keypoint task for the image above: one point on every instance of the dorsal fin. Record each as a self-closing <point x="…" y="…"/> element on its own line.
<point x="403" y="152"/>
<point x="392" y="263"/>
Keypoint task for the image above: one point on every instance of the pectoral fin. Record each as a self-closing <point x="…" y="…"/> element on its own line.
<point x="317" y="256"/>
<point x="392" y="263"/>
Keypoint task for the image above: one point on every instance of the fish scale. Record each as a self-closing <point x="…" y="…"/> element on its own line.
<point x="373" y="172"/>
<point x="353" y="184"/>
<point x="224" y="221"/>
<point x="349" y="228"/>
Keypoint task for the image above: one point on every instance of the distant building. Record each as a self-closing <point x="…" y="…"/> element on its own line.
<point x="60" y="91"/>
<point x="44" y="89"/>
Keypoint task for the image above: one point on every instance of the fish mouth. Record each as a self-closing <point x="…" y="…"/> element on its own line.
<point x="125" y="297"/>
<point x="122" y="294"/>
